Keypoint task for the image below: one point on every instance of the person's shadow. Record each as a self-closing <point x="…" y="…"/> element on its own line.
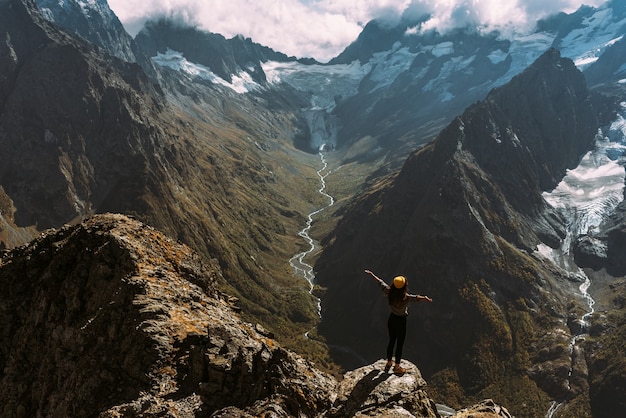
<point x="361" y="391"/>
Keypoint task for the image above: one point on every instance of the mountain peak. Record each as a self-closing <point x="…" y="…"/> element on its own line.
<point x="224" y="57"/>
<point x="95" y="22"/>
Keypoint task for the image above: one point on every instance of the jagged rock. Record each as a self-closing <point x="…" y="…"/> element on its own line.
<point x="113" y="316"/>
<point x="485" y="409"/>
<point x="590" y="252"/>
<point x="370" y="391"/>
<point x="225" y="57"/>
<point x="616" y="249"/>
<point x="96" y="22"/>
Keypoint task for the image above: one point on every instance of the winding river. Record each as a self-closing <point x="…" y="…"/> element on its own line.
<point x="301" y="267"/>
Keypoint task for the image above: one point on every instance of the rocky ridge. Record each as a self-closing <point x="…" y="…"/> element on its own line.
<point x="112" y="318"/>
<point x="95" y="22"/>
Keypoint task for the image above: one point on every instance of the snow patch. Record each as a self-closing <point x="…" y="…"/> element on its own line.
<point x="585" y="44"/>
<point x="444" y="48"/>
<point x="326" y="82"/>
<point x="591" y="191"/>
<point x="496" y="57"/>
<point x="386" y="67"/>
<point x="524" y="50"/>
<point x="241" y="82"/>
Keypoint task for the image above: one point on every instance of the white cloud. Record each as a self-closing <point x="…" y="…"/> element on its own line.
<point x="323" y="28"/>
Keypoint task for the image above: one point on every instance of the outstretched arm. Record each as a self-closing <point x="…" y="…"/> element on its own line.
<point x="381" y="283"/>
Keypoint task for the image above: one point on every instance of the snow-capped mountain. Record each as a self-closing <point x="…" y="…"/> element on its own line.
<point x="388" y="81"/>
<point x="94" y="21"/>
<point x="392" y="79"/>
<point x="227" y="58"/>
<point x="387" y="77"/>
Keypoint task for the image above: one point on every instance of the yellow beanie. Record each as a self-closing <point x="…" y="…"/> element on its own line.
<point x="399" y="282"/>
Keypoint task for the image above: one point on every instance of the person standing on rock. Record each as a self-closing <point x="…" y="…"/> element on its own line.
<point x="399" y="299"/>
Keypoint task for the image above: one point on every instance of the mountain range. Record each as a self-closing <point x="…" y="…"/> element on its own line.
<point x="446" y="154"/>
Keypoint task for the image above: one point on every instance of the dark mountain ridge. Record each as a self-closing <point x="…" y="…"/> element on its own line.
<point x="96" y="23"/>
<point x="225" y="57"/>
<point x="61" y="103"/>
<point x="461" y="220"/>
<point x="610" y="66"/>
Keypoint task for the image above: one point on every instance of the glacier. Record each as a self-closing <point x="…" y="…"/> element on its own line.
<point x="241" y="82"/>
<point x="591" y="191"/>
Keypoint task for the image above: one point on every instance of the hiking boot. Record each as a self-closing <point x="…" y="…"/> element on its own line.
<point x="399" y="370"/>
<point x="388" y="366"/>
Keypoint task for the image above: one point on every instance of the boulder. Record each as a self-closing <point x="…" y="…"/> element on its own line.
<point x="370" y="391"/>
<point x="484" y="409"/>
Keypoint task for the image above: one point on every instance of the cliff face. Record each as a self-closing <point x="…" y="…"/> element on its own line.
<point x="111" y="317"/>
<point x="80" y="125"/>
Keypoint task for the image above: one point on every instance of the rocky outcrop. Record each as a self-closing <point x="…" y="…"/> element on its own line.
<point x="485" y="409"/>
<point x="111" y="318"/>
<point x="369" y="391"/>
<point x="590" y="252"/>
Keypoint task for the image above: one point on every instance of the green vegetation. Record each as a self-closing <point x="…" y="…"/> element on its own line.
<point x="6" y="206"/>
<point x="486" y="335"/>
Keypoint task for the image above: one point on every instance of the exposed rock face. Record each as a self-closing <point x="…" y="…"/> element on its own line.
<point x="111" y="318"/>
<point x="79" y="130"/>
<point x="615" y="233"/>
<point x="369" y="391"/>
<point x="95" y="22"/>
<point x="609" y="67"/>
<point x="590" y="252"/>
<point x="484" y="409"/>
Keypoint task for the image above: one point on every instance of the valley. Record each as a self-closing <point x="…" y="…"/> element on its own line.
<point x="488" y="169"/>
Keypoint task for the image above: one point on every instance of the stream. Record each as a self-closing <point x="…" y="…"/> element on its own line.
<point x="301" y="267"/>
<point x="585" y="197"/>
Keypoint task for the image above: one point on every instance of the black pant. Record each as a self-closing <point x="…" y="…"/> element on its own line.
<point x="397" y="333"/>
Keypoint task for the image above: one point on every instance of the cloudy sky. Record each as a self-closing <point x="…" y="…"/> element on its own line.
<point x="323" y="28"/>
